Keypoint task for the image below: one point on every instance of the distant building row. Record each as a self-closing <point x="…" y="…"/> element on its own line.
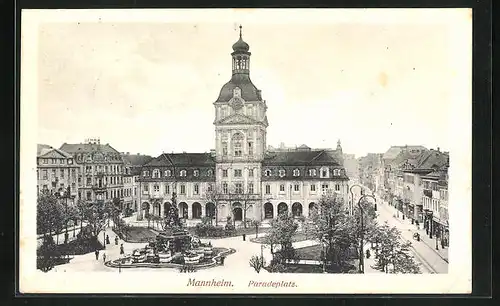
<point x="92" y="172"/>
<point x="414" y="179"/>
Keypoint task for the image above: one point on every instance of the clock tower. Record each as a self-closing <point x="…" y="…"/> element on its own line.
<point x="240" y="129"/>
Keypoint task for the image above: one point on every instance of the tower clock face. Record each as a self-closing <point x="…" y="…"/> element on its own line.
<point x="237" y="103"/>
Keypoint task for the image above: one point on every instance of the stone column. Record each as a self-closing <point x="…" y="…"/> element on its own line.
<point x="275" y="210"/>
<point x="190" y="211"/>
<point x="203" y="209"/>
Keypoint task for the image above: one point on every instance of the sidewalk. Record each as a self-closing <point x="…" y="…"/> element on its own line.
<point x="431" y="243"/>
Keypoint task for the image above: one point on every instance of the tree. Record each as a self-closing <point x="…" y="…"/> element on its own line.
<point x="47" y="254"/>
<point x="392" y="253"/>
<point x="256" y="224"/>
<point x="50" y="215"/>
<point x="282" y="230"/>
<point x="214" y="195"/>
<point x="95" y="214"/>
<point x="331" y="225"/>
<point x="363" y="224"/>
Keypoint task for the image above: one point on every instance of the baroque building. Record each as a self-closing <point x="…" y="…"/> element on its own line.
<point x="101" y="170"/>
<point x="56" y="171"/>
<point x="241" y="178"/>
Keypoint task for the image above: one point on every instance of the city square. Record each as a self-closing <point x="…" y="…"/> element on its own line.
<point x="243" y="206"/>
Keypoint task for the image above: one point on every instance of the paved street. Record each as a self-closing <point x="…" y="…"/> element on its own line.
<point x="432" y="261"/>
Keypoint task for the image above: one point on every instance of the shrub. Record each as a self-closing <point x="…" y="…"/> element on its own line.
<point x="207" y="230"/>
<point x="178" y="260"/>
<point x="276" y="267"/>
<point x="257" y="262"/>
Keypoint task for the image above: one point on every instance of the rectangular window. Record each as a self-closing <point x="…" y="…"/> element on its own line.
<point x="324" y="188"/>
<point x="156" y="188"/>
<point x="146" y="188"/>
<point x="313" y="187"/>
<point x="268" y="189"/>
<point x="89" y="181"/>
<point x="196" y="188"/>
<point x="250" y="188"/>
<point x="62" y="173"/>
<point x="44" y="174"/>
<point x="237" y="173"/>
<point x="237" y="148"/>
<point x="296" y="187"/>
<point x="239" y="188"/>
<point x="250" y="148"/>
<point x="224" y="188"/>
<point x="167" y="189"/>
<point x="224" y="173"/>
<point x="282" y="188"/>
<point x="250" y="172"/>
<point x="337" y="187"/>
<point x="183" y="189"/>
<point x="89" y="195"/>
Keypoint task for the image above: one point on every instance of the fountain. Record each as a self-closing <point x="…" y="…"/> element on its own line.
<point x="173" y="248"/>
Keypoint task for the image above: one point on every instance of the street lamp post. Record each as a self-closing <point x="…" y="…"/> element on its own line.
<point x="361" y="253"/>
<point x="352" y="197"/>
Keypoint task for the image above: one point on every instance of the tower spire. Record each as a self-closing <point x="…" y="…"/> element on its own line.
<point x="240" y="30"/>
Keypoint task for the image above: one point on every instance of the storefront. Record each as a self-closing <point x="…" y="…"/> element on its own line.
<point x="442" y="232"/>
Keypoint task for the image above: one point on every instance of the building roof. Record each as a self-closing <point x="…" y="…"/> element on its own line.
<point x="182" y="160"/>
<point x="313" y="157"/>
<point x="394" y="151"/>
<point x="87" y="148"/>
<point x="432" y="159"/>
<point x="248" y="90"/>
<point x="43" y="149"/>
<point x="136" y="159"/>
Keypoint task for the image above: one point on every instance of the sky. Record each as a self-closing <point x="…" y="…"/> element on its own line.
<point x="148" y="87"/>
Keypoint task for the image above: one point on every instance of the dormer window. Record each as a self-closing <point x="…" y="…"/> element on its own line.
<point x="156" y="173"/>
<point x="70" y="161"/>
<point x="196" y="173"/>
<point x="145" y="173"/>
<point x="282" y="172"/>
<point x="312" y="172"/>
<point x="210" y="172"/>
<point x="168" y="173"/>
<point x="267" y="172"/>
<point x="324" y="172"/>
<point x="183" y="173"/>
<point x="296" y="172"/>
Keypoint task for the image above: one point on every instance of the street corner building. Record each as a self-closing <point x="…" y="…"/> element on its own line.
<point x="242" y="178"/>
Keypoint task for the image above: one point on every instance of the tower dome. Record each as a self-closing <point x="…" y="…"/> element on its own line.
<point x="241" y="45"/>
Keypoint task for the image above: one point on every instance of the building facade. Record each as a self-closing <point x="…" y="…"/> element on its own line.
<point x="249" y="181"/>
<point x="101" y="170"/>
<point x="56" y="171"/>
<point x="132" y="164"/>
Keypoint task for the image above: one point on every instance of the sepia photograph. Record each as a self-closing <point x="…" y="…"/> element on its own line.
<point x="246" y="151"/>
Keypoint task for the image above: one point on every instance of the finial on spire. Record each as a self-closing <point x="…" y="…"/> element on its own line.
<point x="240" y="30"/>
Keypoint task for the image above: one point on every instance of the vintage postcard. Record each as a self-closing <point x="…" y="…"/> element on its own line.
<point x="246" y="151"/>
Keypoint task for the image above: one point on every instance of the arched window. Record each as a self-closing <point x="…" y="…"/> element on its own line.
<point x="156" y="173"/>
<point x="267" y="172"/>
<point x="282" y="172"/>
<point x="196" y="173"/>
<point x="168" y="173"/>
<point x="296" y="172"/>
<point x="210" y="172"/>
<point x="237" y="143"/>
<point x="183" y="173"/>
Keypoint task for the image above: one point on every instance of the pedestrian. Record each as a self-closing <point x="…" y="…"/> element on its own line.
<point x="104" y="257"/>
<point x="96" y="254"/>
<point x="122" y="251"/>
<point x="107" y="239"/>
